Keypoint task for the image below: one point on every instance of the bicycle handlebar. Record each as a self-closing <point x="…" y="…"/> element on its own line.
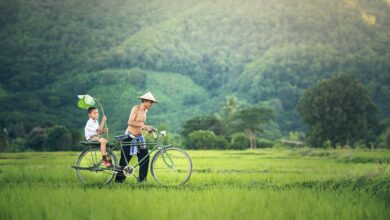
<point x="153" y="131"/>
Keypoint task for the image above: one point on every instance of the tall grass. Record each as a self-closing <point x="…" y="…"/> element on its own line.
<point x="250" y="184"/>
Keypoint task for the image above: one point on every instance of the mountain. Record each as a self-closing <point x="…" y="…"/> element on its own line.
<point x="190" y="54"/>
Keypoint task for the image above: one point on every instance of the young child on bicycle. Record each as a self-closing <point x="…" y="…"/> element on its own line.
<point x="93" y="130"/>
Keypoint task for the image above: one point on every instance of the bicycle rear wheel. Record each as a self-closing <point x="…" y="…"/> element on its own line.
<point x="171" y="167"/>
<point x="90" y="170"/>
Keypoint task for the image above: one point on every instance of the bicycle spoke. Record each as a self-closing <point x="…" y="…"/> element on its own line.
<point x="89" y="159"/>
<point x="107" y="173"/>
<point x="96" y="174"/>
<point x="93" y="159"/>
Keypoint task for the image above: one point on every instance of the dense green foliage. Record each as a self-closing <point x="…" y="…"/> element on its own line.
<point x="190" y="54"/>
<point x="251" y="121"/>
<point x="385" y="139"/>
<point x="36" y="138"/>
<point x="239" y="141"/>
<point x="203" y="123"/>
<point x="58" y="137"/>
<point x="226" y="133"/>
<point x="338" y="110"/>
<point x="205" y="139"/>
<point x="250" y="184"/>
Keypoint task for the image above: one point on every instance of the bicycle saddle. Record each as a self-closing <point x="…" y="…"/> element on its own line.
<point x="89" y="142"/>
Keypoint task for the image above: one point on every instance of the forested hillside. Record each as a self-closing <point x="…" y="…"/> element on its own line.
<point x="190" y="54"/>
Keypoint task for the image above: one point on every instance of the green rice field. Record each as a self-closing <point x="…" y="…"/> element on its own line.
<point x="251" y="184"/>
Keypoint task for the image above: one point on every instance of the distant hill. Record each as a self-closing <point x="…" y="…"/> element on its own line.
<point x="179" y="97"/>
<point x="191" y="54"/>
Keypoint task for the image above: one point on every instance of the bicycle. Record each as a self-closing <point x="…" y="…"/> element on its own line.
<point x="170" y="166"/>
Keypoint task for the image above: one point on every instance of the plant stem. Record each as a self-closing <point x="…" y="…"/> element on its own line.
<point x="105" y="123"/>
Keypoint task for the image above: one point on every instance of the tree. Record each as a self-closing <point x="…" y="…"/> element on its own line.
<point x="203" y="123"/>
<point x="239" y="141"/>
<point x="76" y="138"/>
<point x="202" y="139"/>
<point x="250" y="121"/>
<point x="339" y="110"/>
<point x="387" y="138"/>
<point x="3" y="141"/>
<point x="231" y="106"/>
<point x="58" y="138"/>
<point x="36" y="138"/>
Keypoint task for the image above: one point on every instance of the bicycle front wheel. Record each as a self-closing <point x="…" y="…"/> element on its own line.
<point x="171" y="166"/>
<point x="90" y="170"/>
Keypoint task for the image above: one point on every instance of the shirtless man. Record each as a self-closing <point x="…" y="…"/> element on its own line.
<point x="136" y="124"/>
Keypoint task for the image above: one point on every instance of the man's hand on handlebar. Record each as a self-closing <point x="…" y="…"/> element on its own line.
<point x="150" y="129"/>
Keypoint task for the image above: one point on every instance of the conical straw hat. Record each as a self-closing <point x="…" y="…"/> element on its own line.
<point x="148" y="96"/>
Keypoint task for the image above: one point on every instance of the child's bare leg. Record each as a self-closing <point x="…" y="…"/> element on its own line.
<point x="103" y="143"/>
<point x="103" y="150"/>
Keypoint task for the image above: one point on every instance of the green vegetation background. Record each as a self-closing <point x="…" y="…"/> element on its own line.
<point x="190" y="54"/>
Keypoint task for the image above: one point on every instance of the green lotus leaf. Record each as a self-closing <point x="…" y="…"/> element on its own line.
<point x="81" y="104"/>
<point x="85" y="101"/>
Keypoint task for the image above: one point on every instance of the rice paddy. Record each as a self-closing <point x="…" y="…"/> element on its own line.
<point x="250" y="184"/>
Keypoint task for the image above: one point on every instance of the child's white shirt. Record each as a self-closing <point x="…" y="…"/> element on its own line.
<point x="91" y="128"/>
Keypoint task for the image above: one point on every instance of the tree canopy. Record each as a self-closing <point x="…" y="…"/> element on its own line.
<point x="339" y="110"/>
<point x="191" y="54"/>
<point x="251" y="120"/>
